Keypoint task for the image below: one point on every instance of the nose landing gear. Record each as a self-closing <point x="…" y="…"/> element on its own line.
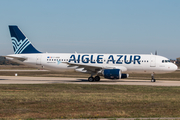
<point x="152" y="78"/>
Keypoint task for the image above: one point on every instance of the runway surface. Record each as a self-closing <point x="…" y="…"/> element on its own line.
<point x="51" y="80"/>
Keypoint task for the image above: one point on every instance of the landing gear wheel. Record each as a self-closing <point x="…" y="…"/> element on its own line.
<point x="97" y="78"/>
<point x="152" y="77"/>
<point x="90" y="79"/>
<point x="153" y="80"/>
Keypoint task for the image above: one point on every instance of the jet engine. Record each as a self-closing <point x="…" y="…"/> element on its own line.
<point x="113" y="74"/>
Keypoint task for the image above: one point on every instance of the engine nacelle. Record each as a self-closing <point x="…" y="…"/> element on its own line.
<point x="113" y="74"/>
<point x="124" y="75"/>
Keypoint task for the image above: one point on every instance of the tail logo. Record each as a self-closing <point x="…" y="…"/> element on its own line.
<point x="19" y="46"/>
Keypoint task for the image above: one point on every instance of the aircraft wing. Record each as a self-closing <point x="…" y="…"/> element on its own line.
<point x="16" y="58"/>
<point x="88" y="67"/>
<point x="94" y="68"/>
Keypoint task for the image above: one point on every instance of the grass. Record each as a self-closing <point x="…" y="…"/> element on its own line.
<point x="51" y="101"/>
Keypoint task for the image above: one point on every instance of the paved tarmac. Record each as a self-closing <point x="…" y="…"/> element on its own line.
<point x="15" y="70"/>
<point x="52" y="80"/>
<point x="176" y="118"/>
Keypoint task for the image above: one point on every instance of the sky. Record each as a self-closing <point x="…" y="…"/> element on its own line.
<point x="94" y="26"/>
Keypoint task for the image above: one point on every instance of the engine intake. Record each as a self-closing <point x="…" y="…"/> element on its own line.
<point x="124" y="75"/>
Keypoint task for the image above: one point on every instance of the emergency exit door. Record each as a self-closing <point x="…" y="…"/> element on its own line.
<point x="153" y="61"/>
<point x="38" y="60"/>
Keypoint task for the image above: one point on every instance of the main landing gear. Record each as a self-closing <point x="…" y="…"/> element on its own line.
<point x="152" y="78"/>
<point x="92" y="79"/>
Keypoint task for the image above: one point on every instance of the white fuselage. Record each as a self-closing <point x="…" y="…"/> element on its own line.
<point x="127" y="63"/>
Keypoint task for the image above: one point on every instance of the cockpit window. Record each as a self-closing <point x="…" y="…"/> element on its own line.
<point x="166" y="61"/>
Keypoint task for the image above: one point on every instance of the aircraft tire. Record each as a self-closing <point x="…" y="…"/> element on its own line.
<point x="153" y="80"/>
<point x="97" y="78"/>
<point x="91" y="79"/>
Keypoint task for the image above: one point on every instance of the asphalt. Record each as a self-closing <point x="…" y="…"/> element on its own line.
<point x="54" y="80"/>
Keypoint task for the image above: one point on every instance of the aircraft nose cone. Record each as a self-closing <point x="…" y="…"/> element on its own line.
<point x="171" y="67"/>
<point x="174" y="67"/>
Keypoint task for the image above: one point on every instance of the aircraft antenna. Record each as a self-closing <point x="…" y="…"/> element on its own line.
<point x="156" y="52"/>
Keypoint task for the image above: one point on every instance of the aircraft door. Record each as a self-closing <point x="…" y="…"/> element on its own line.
<point x="38" y="60"/>
<point x="153" y="61"/>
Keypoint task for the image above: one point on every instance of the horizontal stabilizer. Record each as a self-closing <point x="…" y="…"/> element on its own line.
<point x="15" y="58"/>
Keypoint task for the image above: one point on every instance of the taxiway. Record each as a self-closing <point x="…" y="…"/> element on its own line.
<point x="59" y="80"/>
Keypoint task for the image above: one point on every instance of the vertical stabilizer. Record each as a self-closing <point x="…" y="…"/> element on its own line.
<point x="21" y="43"/>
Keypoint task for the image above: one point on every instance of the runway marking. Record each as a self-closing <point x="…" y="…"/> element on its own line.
<point x="53" y="80"/>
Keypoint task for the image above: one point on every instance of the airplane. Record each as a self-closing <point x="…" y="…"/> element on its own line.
<point x="110" y="66"/>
